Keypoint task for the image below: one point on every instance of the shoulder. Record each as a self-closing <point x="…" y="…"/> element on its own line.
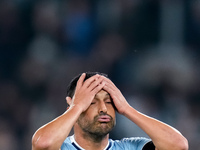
<point x="67" y="144"/>
<point x="133" y="143"/>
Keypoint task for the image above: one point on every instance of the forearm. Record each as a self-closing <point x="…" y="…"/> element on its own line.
<point x="53" y="134"/>
<point x="163" y="136"/>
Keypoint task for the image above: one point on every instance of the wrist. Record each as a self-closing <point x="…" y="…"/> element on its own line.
<point x="126" y="110"/>
<point x="76" y="108"/>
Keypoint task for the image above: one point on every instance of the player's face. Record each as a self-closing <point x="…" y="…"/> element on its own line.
<point x="99" y="118"/>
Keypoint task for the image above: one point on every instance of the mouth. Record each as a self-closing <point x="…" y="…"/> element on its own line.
<point x="104" y="119"/>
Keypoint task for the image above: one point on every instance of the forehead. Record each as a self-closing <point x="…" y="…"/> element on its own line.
<point x="102" y="93"/>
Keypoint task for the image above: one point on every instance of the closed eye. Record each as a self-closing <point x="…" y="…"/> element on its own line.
<point x="93" y="103"/>
<point x="108" y="101"/>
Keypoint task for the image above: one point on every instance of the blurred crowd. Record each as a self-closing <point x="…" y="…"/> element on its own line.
<point x="150" y="49"/>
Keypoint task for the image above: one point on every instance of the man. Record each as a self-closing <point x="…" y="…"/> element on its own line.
<point x="93" y="99"/>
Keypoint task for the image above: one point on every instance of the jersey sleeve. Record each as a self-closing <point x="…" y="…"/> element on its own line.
<point x="67" y="145"/>
<point x="134" y="143"/>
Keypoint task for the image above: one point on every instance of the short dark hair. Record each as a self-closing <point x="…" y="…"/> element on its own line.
<point x="72" y="86"/>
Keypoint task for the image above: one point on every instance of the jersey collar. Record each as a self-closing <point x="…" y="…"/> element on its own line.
<point x="78" y="147"/>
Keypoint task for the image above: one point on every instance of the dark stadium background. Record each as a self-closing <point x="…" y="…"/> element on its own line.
<point x="149" y="48"/>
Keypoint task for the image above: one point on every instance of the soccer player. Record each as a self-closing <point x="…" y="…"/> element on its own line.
<point x="93" y="100"/>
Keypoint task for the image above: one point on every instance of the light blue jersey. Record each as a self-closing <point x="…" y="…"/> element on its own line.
<point x="124" y="144"/>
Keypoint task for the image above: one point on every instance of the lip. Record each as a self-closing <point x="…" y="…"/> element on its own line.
<point x="104" y="118"/>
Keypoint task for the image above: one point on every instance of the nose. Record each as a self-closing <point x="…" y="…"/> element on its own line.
<point x="102" y="108"/>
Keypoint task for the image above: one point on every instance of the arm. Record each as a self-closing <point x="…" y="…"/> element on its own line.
<point x="52" y="135"/>
<point x="163" y="136"/>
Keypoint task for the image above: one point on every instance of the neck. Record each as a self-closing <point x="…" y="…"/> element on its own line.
<point x="91" y="141"/>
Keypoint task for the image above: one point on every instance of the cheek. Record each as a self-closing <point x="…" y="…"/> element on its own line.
<point x="92" y="111"/>
<point x="88" y="114"/>
<point x="111" y="111"/>
<point x="83" y="120"/>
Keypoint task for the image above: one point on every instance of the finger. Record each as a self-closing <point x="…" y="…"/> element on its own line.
<point x="112" y="90"/>
<point x="98" y="88"/>
<point x="80" y="81"/>
<point x="90" y="80"/>
<point x="109" y="86"/>
<point x="108" y="89"/>
<point x="108" y="81"/>
<point x="95" y="83"/>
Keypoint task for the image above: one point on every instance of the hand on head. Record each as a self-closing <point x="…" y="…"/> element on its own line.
<point x="86" y="91"/>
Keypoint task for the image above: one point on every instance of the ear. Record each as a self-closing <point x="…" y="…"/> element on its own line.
<point x="68" y="100"/>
